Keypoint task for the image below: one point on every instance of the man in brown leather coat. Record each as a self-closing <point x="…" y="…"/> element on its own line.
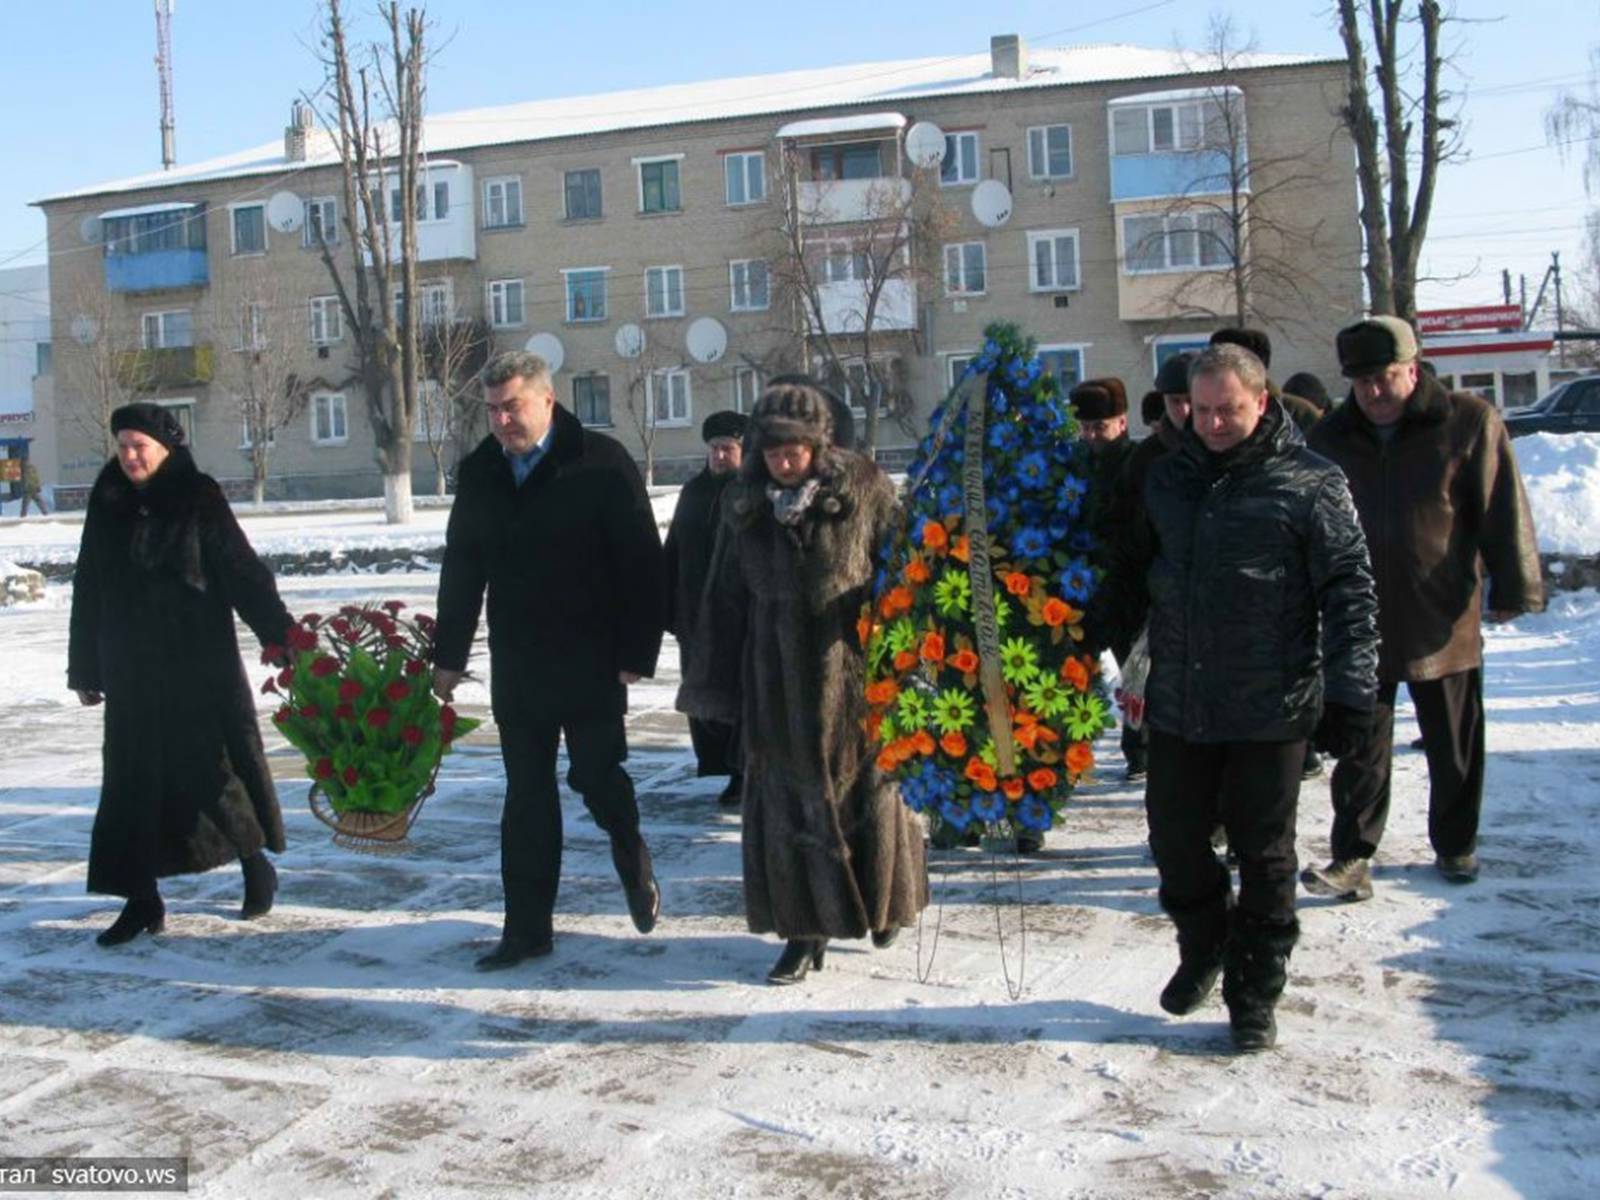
<point x="1442" y="505"/>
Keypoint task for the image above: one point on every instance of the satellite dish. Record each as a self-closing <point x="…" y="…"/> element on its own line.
<point x="548" y="347"/>
<point x="630" y="341"/>
<point x="91" y="231"/>
<point x="991" y="203"/>
<point x="925" y="144"/>
<point x="707" y="340"/>
<point x="84" y="329"/>
<point x="285" y="212"/>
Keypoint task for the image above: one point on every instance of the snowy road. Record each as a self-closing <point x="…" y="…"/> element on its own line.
<point x="1436" y="1041"/>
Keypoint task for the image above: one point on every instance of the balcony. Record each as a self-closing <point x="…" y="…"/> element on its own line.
<point x="1170" y="174"/>
<point x="155" y="370"/>
<point x="842" y="201"/>
<point x="156" y="270"/>
<point x="446" y="188"/>
<point x="844" y="306"/>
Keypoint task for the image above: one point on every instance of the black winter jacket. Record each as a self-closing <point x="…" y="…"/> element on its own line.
<point x="572" y="564"/>
<point x="1254" y="573"/>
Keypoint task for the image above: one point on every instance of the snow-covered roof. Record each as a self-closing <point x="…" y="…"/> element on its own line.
<point x="144" y="210"/>
<point x="829" y="126"/>
<point x="1176" y="95"/>
<point x="879" y="84"/>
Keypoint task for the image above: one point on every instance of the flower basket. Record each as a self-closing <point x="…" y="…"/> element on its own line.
<point x="358" y="704"/>
<point x="981" y="702"/>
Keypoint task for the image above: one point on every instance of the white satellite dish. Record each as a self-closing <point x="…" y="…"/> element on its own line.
<point x="925" y="144"/>
<point x="707" y="340"/>
<point x="991" y="203"/>
<point x="91" y="230"/>
<point x="285" y="212"/>
<point x="84" y="329"/>
<point x="630" y="341"/>
<point x="548" y="347"/>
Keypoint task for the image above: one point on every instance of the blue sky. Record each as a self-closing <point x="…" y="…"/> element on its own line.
<point x="87" y="66"/>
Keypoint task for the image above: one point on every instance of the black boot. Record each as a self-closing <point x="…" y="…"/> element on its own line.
<point x="733" y="795"/>
<point x="1255" y="968"/>
<point x="141" y="914"/>
<point x="260" y="886"/>
<point x="884" y="938"/>
<point x="798" y="957"/>
<point x="1202" y="934"/>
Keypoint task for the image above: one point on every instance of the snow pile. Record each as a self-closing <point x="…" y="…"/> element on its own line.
<point x="19" y="585"/>
<point x="1562" y="475"/>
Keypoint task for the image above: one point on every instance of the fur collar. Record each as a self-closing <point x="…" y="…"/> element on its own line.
<point x="844" y="475"/>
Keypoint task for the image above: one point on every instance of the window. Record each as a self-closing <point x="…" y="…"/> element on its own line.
<point x="582" y="189"/>
<point x="163" y="330"/>
<point x="1050" y="152"/>
<point x="1167" y="347"/>
<point x="746" y="176"/>
<point x="321" y="224"/>
<point x="955" y="367"/>
<point x="246" y="441"/>
<point x="328" y="426"/>
<point x="505" y="302"/>
<point x="1065" y="363"/>
<point x="1482" y="383"/>
<point x="658" y="185"/>
<point x="432" y="425"/>
<point x="438" y="305"/>
<point x="847" y="160"/>
<point x="252" y="331"/>
<point x="502" y="202"/>
<point x="327" y="320"/>
<point x="746" y="388"/>
<point x="840" y="261"/>
<point x="1053" y="260"/>
<point x="669" y="397"/>
<point x="586" y="293"/>
<point x="432" y="202"/>
<point x="965" y="269"/>
<point x="1179" y="242"/>
<point x="749" y="282"/>
<point x="179" y="228"/>
<point x="1171" y="128"/>
<point x="184" y="411"/>
<point x="663" y="292"/>
<point x="960" y="159"/>
<point x="591" y="399"/>
<point x="859" y="384"/>
<point x="43" y="360"/>
<point x="249" y="223"/>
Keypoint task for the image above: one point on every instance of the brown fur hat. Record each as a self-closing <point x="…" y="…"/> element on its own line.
<point x="1099" y="399"/>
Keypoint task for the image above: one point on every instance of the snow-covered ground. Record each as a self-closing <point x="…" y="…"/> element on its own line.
<point x="1436" y="1041"/>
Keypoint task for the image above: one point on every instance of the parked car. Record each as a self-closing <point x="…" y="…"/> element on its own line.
<point x="1574" y="407"/>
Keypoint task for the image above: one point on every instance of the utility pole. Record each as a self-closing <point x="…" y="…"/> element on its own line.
<point x="1505" y="283"/>
<point x="1561" y="345"/>
<point x="169" y="153"/>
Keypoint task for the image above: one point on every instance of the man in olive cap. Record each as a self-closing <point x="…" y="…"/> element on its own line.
<point x="688" y="549"/>
<point x="1442" y="505"/>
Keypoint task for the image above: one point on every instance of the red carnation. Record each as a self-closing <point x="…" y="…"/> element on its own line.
<point x="310" y="712"/>
<point x="411" y="735"/>
<point x="300" y="639"/>
<point x="351" y="777"/>
<point x="339" y="625"/>
<point x="349" y="610"/>
<point x="396" y="642"/>
<point x="394" y="606"/>
<point x="447" y="722"/>
<point x="286" y="677"/>
<point x="350" y="690"/>
<point x="311" y="620"/>
<point x="398" y="690"/>
<point x="282" y="715"/>
<point x="324" y="666"/>
<point x="378" y="718"/>
<point x="271" y="654"/>
<point x="324" y="768"/>
<point x="345" y="712"/>
<point x="270" y="686"/>
<point x="424" y="622"/>
<point x="415" y="666"/>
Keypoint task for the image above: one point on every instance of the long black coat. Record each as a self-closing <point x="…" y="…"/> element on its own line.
<point x="161" y="571"/>
<point x="572" y="564"/>
<point x="829" y="849"/>
<point x="690" y="539"/>
<point x="1254" y="573"/>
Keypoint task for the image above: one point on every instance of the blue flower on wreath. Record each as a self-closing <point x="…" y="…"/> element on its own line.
<point x="988" y="806"/>
<point x="1082" y="541"/>
<point x="1034" y="814"/>
<point x="1005" y="436"/>
<point x="949" y="500"/>
<point x="999" y="513"/>
<point x="914" y="791"/>
<point x="939" y="783"/>
<point x="880" y="581"/>
<point x="1069" y="496"/>
<point x="1033" y="469"/>
<point x="1059" y="527"/>
<point x="955" y="814"/>
<point x="1033" y="513"/>
<point x="1030" y="542"/>
<point x="1077" y="581"/>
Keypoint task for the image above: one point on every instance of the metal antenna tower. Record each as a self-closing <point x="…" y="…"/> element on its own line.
<point x="169" y="154"/>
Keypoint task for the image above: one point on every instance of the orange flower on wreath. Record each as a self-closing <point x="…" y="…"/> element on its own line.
<point x="904" y="660"/>
<point x="1079" y="757"/>
<point x="1028" y="735"/>
<point x="935" y="536"/>
<point x="1076" y="674"/>
<point x="961" y="549"/>
<point x="1017" y="583"/>
<point x="954" y="744"/>
<point x="895" y="601"/>
<point x="965" y="661"/>
<point x="887" y="762"/>
<point x="882" y="692"/>
<point x="981" y="773"/>
<point x="1056" y="612"/>
<point x="873" y="725"/>
<point x="917" y="570"/>
<point x="1012" y="788"/>
<point x="863" y="629"/>
<point x="933" y="646"/>
<point x="1042" y="780"/>
<point x="922" y="741"/>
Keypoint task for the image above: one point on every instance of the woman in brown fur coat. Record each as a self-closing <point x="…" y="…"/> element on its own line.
<point x="829" y="850"/>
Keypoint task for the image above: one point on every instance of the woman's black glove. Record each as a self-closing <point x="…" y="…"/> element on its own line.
<point x="1342" y="731"/>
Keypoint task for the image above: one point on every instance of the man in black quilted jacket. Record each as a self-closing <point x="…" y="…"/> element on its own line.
<point x="1252" y="569"/>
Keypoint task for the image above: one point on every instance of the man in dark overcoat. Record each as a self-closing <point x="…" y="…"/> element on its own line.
<point x="552" y="520"/>
<point x="690" y="539"/>
<point x="1301" y="410"/>
<point x="1441" y="500"/>
<point x="1263" y="628"/>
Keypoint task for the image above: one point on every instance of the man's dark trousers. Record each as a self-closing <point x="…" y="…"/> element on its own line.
<point x="1450" y="712"/>
<point x="1250" y="788"/>
<point x="530" y="824"/>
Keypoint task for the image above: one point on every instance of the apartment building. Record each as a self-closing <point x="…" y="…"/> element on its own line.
<point x="640" y="240"/>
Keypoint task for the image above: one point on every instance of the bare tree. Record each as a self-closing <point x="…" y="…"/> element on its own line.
<point x="851" y="284"/>
<point x="647" y="398"/>
<point x="453" y="354"/>
<point x="376" y="97"/>
<point x="1574" y="120"/>
<point x="1394" y="212"/>
<point x="100" y="368"/>
<point x="256" y="371"/>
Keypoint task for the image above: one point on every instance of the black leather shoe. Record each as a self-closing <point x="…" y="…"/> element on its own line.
<point x="644" y="904"/>
<point x="799" y="956"/>
<point x="260" y="886"/>
<point x="142" y="914"/>
<point x="733" y="795"/>
<point x="513" y="950"/>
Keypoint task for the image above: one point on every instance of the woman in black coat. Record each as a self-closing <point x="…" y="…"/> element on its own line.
<point x="161" y="570"/>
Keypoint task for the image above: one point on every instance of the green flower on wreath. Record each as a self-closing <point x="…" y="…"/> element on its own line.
<point x="988" y="754"/>
<point x="1047" y="696"/>
<point x="1002" y="611"/>
<point x="888" y="731"/>
<point x="912" y="707"/>
<point x="952" y="595"/>
<point x="1085" y="717"/>
<point x="1019" y="661"/>
<point x="954" y="710"/>
<point x="902" y="636"/>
